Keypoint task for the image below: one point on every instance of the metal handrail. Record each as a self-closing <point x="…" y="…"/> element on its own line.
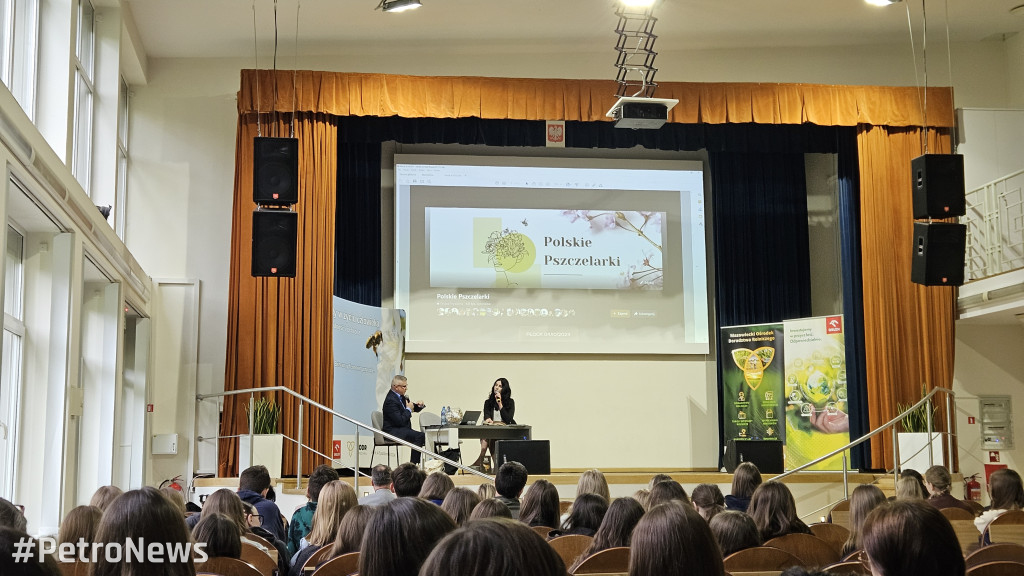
<point x="927" y="400"/>
<point x="299" y="445"/>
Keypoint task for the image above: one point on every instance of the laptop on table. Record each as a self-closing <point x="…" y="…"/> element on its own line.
<point x="470" y="418"/>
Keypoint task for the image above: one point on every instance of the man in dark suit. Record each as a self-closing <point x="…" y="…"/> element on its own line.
<point x="398" y="409"/>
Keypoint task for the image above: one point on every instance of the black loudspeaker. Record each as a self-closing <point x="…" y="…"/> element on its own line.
<point x="274" y="233"/>
<point x="534" y="454"/>
<point x="939" y="250"/>
<point x="275" y="178"/>
<point x="938" y="185"/>
<point x="765" y="454"/>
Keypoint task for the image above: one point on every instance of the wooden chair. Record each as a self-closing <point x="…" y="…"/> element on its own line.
<point x="1008" y="527"/>
<point x="605" y="561"/>
<point x="840" y="514"/>
<point x="845" y="568"/>
<point x="996" y="569"/>
<point x="226" y="567"/>
<point x="760" y="559"/>
<point x="1001" y="552"/>
<point x="570" y="546"/>
<point x="811" y="550"/>
<point x="563" y="506"/>
<point x="315" y="558"/>
<point x="258" y="559"/>
<point x="264" y="542"/>
<point x="976" y="506"/>
<point x="957" y="514"/>
<point x="340" y="566"/>
<point x="964" y="528"/>
<point x="542" y="530"/>
<point x="834" y="534"/>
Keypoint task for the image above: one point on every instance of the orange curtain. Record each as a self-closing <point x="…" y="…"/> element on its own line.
<point x="279" y="329"/>
<point x="908" y="328"/>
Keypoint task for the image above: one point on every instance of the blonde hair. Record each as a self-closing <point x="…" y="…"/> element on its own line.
<point x="908" y="488"/>
<point x="593" y="482"/>
<point x="336" y="498"/>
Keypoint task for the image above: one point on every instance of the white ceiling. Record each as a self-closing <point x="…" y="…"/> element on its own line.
<point x="224" y="28"/>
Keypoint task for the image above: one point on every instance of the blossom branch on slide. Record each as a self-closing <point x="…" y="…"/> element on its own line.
<point x="649" y="275"/>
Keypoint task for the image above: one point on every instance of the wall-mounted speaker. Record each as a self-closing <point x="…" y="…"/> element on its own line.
<point x="939" y="251"/>
<point x="274" y="233"/>
<point x="275" y="178"/>
<point x="938" y="186"/>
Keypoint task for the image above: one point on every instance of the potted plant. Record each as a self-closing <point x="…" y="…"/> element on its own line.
<point x="267" y="443"/>
<point x="913" y="440"/>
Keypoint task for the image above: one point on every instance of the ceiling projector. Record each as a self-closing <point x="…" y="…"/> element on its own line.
<point x="641" y="113"/>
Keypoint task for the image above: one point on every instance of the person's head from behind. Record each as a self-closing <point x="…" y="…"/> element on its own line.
<point x="486" y="490"/>
<point x="863" y="500"/>
<point x="220" y="535"/>
<point x="380" y="476"/>
<point x="673" y="540"/>
<point x="510" y="479"/>
<point x="937" y="479"/>
<point x="911" y="537"/>
<point x="593" y="482"/>
<point x="657" y="478"/>
<point x="80" y="525"/>
<point x="643" y="496"/>
<point x="321" y="476"/>
<point x="666" y="491"/>
<point x="540" y="505"/>
<point x="12" y="564"/>
<point x="351" y="530"/>
<point x="409" y="525"/>
<point x="408" y="480"/>
<point x="11" y="516"/>
<point x="773" y="509"/>
<point x="144" y="515"/>
<point x="436" y="486"/>
<point x="459" y="504"/>
<point x="496" y="547"/>
<point x="734" y="531"/>
<point x="587" y="512"/>
<point x="255" y="479"/>
<point x="103" y="496"/>
<point x="336" y="499"/>
<point x="1006" y="490"/>
<point x="909" y="488"/>
<point x="911" y="473"/>
<point x="490" y="508"/>
<point x="745" y="480"/>
<point x="226" y="502"/>
<point x="708" y="500"/>
<point x="616" y="529"/>
<point x="176" y="498"/>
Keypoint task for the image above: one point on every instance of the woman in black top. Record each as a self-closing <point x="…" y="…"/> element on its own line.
<point x="500" y="401"/>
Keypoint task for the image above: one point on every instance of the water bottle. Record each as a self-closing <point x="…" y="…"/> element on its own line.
<point x="444" y="416"/>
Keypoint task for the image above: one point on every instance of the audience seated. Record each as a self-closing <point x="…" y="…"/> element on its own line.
<point x="490" y="508"/>
<point x="351" y="531"/>
<point x="593" y="482"/>
<point x="909" y="537"/>
<point x="673" y="540"/>
<point x="400" y="536"/>
<point x="863" y="500"/>
<point x="143" y="515"/>
<point x="80" y="525"/>
<point x="658" y="478"/>
<point x="486" y="490"/>
<point x="938" y="482"/>
<point x="509" y="483"/>
<point x="801" y="571"/>
<point x="909" y="488"/>
<point x="436" y="487"/>
<point x="408" y="480"/>
<point x="585" y="516"/>
<point x="616" y="529"/>
<point x="667" y="490"/>
<point x="734" y="531"/>
<point x="176" y="498"/>
<point x="9" y="538"/>
<point x="302" y="519"/>
<point x="911" y="473"/>
<point x="103" y="496"/>
<point x="774" y="511"/>
<point x="11" y="516"/>
<point x="336" y="498"/>
<point x="383" y="487"/>
<point x="497" y="547"/>
<point x="1006" y="492"/>
<point x="540" y="505"/>
<point x="226" y="502"/>
<point x="220" y="536"/>
<point x="254" y="487"/>
<point x="643" y="496"/>
<point x="459" y="504"/>
<point x="745" y="480"/>
<point x="708" y="500"/>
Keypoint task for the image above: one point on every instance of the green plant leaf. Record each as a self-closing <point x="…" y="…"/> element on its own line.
<point x="265" y="416"/>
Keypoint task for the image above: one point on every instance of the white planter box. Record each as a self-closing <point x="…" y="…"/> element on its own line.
<point x="266" y="450"/>
<point x="914" y="452"/>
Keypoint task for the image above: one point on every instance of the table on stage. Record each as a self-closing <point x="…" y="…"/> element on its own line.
<point x="481" y="431"/>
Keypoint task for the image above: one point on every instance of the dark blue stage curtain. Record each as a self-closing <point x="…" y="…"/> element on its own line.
<point x="357" y="231"/>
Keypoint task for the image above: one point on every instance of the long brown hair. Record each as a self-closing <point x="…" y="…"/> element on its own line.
<point x="410" y="525"/>
<point x="708" y="500"/>
<point x="863" y="500"/>
<point x="1006" y="490"/>
<point x="673" y="540"/>
<point x="497" y="547"/>
<point x="616" y="529"/>
<point x="745" y="480"/>
<point x="336" y="498"/>
<point x="911" y="537"/>
<point x="226" y="502"/>
<point x="351" y="530"/>
<point x="540" y="505"/>
<point x="459" y="504"/>
<point x="774" y="511"/>
<point x="144" y="515"/>
<point x="80" y="525"/>
<point x="734" y="531"/>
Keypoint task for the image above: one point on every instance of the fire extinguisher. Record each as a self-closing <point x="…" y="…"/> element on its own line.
<point x="972" y="489"/>
<point x="172" y="483"/>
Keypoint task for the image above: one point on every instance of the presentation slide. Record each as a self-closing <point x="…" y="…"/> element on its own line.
<point x="539" y="255"/>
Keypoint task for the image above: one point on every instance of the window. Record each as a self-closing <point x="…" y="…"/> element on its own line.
<point x="85" y="52"/>
<point x="19" y="41"/>
<point x="10" y="369"/>
<point x="120" y="201"/>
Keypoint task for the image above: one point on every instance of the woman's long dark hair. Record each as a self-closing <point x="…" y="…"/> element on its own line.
<point x="506" y="391"/>
<point x="540" y="505"/>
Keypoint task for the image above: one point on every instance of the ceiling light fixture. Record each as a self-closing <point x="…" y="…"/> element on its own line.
<point x="637" y="3"/>
<point x="882" y="2"/>
<point x="398" y="5"/>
